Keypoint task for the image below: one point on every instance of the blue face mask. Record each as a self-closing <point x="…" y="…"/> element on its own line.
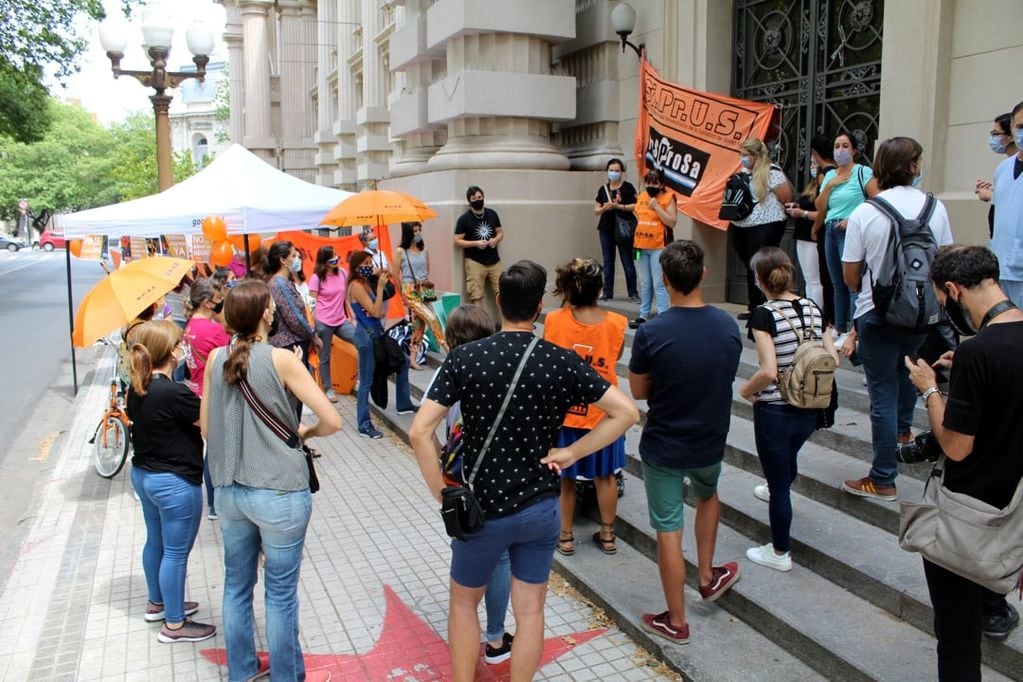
<point x="614" y="176"/>
<point x="843" y="157"/>
<point x="365" y="270"/>
<point x="745" y="161"/>
<point x="918" y="179"/>
<point x="996" y="144"/>
<point x="296" y="264"/>
<point x="373" y="243"/>
<point x="1017" y="136"/>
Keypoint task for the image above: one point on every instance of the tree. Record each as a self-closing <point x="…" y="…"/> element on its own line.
<point x="36" y="35"/>
<point x="134" y="158"/>
<point x="67" y="170"/>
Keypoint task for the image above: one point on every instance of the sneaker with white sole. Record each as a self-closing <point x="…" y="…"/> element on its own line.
<point x="190" y="631"/>
<point x="762" y="492"/>
<point x="502" y="653"/>
<point x="766" y="556"/>
<point x="721" y="578"/>
<point x="332" y="396"/>
<point x="155" y="612"/>
<point x="660" y="624"/>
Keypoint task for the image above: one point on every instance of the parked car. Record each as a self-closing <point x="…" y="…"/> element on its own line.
<point x="50" y="240"/>
<point x="9" y="243"/>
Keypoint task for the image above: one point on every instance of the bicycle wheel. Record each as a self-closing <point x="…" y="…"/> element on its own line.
<point x="111" y="447"/>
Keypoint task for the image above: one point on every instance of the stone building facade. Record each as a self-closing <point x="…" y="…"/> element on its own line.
<point x="195" y="126"/>
<point x="529" y="98"/>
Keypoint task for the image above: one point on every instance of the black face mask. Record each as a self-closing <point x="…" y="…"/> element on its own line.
<point x="957" y="316"/>
<point x="218" y="307"/>
<point x="477" y="204"/>
<point x="274" y="325"/>
<point x="653" y="191"/>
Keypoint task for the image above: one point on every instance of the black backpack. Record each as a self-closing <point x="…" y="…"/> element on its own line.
<point x="901" y="287"/>
<point x="738" y="201"/>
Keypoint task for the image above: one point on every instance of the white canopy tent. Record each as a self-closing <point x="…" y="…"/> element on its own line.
<point x="250" y="194"/>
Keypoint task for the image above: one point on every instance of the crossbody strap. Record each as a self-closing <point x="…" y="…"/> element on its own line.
<point x="808" y="333"/>
<point x="269" y="418"/>
<point x="500" y="414"/>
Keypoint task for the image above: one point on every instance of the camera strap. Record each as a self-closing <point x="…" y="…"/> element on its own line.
<point x="996" y="310"/>
<point x="500" y="414"/>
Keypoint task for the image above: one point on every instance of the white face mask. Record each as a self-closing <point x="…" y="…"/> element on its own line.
<point x="296" y="264"/>
<point x="1017" y="136"/>
<point x="813" y="171"/>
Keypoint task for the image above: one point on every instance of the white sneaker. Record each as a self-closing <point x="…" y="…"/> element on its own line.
<point x="762" y="492"/>
<point x="833" y="332"/>
<point x="840" y="341"/>
<point x="765" y="556"/>
<point x="331" y="396"/>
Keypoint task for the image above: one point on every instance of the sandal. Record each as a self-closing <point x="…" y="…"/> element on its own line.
<point x="566" y="545"/>
<point x="606" y="546"/>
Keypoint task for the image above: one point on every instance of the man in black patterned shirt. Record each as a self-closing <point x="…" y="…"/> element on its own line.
<point x="517" y="484"/>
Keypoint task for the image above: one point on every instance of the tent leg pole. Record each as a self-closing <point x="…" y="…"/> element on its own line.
<point x="248" y="256"/>
<point x="71" y="317"/>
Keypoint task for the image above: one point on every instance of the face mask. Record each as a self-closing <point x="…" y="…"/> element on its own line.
<point x="813" y="171"/>
<point x="372" y="244"/>
<point x="996" y="144"/>
<point x="273" y="325"/>
<point x="958" y="316"/>
<point x="918" y="179"/>
<point x="843" y="157"/>
<point x="1017" y="136"/>
<point x="477" y="205"/>
<point x="365" y="271"/>
<point x="296" y="264"/>
<point x="653" y="191"/>
<point x="217" y="307"/>
<point x="614" y="176"/>
<point x="745" y="161"/>
<point x="332" y="262"/>
<point x="418" y="239"/>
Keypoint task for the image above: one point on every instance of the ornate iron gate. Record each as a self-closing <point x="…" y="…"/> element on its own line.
<point x="820" y="62"/>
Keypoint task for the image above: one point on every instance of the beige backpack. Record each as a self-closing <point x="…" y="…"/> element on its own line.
<point x="807" y="383"/>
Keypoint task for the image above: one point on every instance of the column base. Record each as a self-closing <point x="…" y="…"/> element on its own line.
<point x="413" y="161"/>
<point x="498" y="152"/>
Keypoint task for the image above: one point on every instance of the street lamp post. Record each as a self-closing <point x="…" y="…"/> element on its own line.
<point x="157" y="34"/>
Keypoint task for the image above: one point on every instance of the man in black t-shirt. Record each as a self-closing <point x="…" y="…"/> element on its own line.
<point x="517" y="483"/>
<point x="980" y="431"/>
<point x="479" y="231"/>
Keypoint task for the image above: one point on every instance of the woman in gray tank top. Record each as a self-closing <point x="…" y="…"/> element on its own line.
<point x="412" y="266"/>
<point x="261" y="483"/>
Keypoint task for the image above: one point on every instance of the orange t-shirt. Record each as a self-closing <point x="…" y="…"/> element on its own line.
<point x="599" y="344"/>
<point x="650" y="231"/>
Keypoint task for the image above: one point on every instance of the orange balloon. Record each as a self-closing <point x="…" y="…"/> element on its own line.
<point x="254" y="242"/>
<point x="221" y="254"/>
<point x="214" y="228"/>
<point x="238" y="240"/>
<point x="76" y="248"/>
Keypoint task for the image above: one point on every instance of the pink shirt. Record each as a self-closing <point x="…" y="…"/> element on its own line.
<point x="200" y="338"/>
<point x="330" y="298"/>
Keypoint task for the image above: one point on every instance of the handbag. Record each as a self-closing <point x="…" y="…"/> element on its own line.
<point x="281" y="429"/>
<point x="424" y="288"/>
<point x="965" y="535"/>
<point x="460" y="510"/>
<point x="625" y="229"/>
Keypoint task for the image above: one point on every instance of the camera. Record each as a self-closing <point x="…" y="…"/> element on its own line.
<point x="923" y="448"/>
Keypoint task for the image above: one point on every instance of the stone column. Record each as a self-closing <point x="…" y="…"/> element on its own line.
<point x="499" y="98"/>
<point x="295" y="139"/>
<point x="372" y="118"/>
<point x="343" y="126"/>
<point x="259" y="137"/>
<point x="236" y="72"/>
<point x="326" y="61"/>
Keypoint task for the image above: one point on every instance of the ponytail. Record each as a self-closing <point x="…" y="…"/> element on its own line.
<point x="236" y="367"/>
<point x="141" y="368"/>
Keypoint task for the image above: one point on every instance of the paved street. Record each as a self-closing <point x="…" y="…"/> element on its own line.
<point x="35" y="368"/>
<point x="373" y="586"/>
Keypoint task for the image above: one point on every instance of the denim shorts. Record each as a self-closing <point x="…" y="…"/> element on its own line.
<point x="529" y="535"/>
<point x="664" y="492"/>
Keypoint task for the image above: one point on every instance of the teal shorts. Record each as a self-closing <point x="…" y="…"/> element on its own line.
<point x="664" y="492"/>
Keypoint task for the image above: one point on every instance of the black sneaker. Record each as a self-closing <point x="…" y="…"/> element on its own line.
<point x="634" y="324"/>
<point x="409" y="410"/>
<point x="998" y="626"/>
<point x="190" y="631"/>
<point x="494" y="656"/>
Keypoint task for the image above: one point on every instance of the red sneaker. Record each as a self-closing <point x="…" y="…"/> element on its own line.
<point x="659" y="624"/>
<point x="722" y="578"/>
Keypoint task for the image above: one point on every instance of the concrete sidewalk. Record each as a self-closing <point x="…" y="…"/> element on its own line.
<point x="373" y="589"/>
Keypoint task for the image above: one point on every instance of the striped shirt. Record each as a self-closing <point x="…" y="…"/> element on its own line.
<point x="772" y="320"/>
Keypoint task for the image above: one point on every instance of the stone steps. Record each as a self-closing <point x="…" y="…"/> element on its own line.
<point x="855" y="606"/>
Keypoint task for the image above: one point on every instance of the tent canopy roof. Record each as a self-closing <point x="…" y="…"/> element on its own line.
<point x="250" y="194"/>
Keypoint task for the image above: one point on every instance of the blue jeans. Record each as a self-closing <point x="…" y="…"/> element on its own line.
<point x="609" y="247"/>
<point x="650" y="282"/>
<point x="496" y="598"/>
<point x="171" y="507"/>
<point x="326" y="333"/>
<point x="780" y="431"/>
<point x="367" y="365"/>
<point x="882" y="350"/>
<point x="845" y="300"/>
<point x="252" y="519"/>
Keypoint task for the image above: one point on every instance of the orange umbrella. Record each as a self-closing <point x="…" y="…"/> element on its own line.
<point x="123" y="294"/>
<point x="378" y="207"/>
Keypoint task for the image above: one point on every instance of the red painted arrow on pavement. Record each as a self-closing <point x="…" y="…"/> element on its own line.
<point x="409" y="649"/>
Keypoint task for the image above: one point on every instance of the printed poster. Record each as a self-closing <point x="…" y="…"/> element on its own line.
<point x="138" y="247"/>
<point x="201" y="248"/>
<point x="693" y="138"/>
<point x="94" y="247"/>
<point x="174" y="245"/>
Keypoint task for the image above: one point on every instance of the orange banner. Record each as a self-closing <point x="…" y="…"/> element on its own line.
<point x="693" y="138"/>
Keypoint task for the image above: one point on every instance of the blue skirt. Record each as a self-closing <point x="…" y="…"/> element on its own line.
<point x="605" y="462"/>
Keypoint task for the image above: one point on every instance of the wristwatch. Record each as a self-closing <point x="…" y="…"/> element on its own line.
<point x="929" y="392"/>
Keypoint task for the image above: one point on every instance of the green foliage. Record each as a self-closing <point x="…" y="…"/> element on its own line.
<point x="36" y="35"/>
<point x="134" y="169"/>
<point x="222" y="104"/>
<point x="67" y="170"/>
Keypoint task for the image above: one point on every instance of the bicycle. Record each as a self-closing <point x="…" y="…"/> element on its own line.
<point x="112" y="437"/>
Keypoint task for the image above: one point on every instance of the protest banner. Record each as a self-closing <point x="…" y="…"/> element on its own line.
<point x="693" y="138"/>
<point x="174" y="245"/>
<point x="200" y="248"/>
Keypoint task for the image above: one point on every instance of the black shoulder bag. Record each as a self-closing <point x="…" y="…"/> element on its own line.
<point x="460" y="509"/>
<point x="625" y="229"/>
<point x="280" y="429"/>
